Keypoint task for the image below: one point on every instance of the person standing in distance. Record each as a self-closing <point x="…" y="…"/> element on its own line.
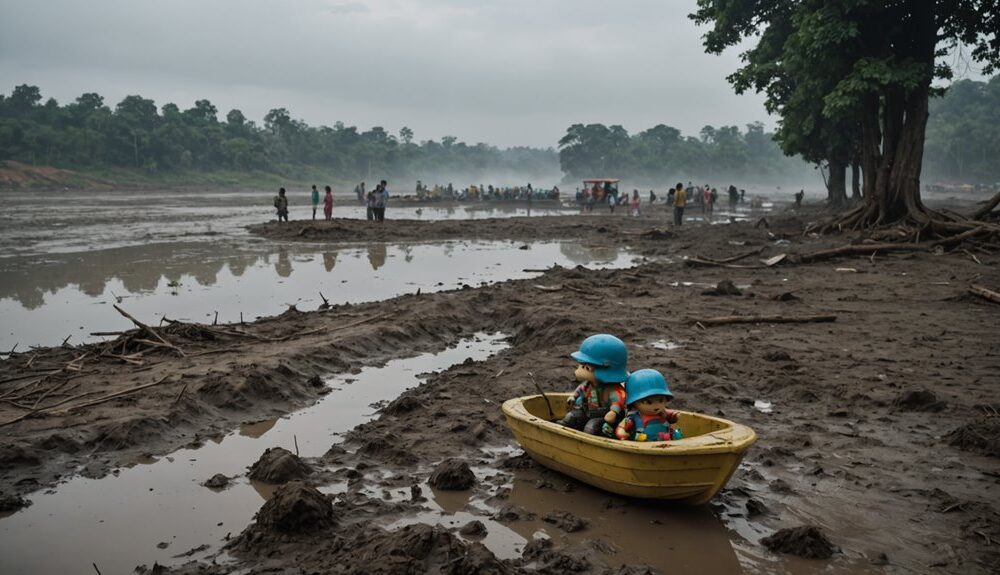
<point x="680" y="199"/>
<point x="281" y="204"/>
<point x="315" y="200"/>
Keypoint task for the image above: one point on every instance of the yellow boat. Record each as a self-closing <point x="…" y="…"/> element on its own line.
<point x="691" y="470"/>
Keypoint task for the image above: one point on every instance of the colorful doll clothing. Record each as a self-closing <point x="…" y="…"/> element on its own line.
<point x="639" y="427"/>
<point x="588" y="413"/>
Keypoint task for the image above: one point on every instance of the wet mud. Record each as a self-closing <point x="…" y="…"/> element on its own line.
<point x="878" y="428"/>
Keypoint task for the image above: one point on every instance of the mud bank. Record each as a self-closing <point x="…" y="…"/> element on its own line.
<point x="855" y="416"/>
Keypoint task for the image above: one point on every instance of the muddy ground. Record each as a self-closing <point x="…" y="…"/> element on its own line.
<point x="882" y="431"/>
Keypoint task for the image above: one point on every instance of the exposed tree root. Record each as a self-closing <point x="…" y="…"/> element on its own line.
<point x="919" y="224"/>
<point x="871" y="248"/>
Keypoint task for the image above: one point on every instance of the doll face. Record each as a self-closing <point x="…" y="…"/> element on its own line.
<point x="585" y="372"/>
<point x="652" y="405"/>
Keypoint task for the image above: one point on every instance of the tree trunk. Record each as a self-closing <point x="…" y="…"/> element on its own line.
<point x="856" y="179"/>
<point x="893" y="124"/>
<point x="837" y="185"/>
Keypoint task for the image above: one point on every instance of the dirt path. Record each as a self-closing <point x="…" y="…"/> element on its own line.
<point x="878" y="430"/>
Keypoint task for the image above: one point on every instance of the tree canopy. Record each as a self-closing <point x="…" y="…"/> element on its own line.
<point x="855" y="74"/>
<point x="88" y="133"/>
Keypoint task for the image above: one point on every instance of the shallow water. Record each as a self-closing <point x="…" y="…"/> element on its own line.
<point x="44" y="300"/>
<point x="39" y="223"/>
<point x="118" y="522"/>
<point x="668" y="537"/>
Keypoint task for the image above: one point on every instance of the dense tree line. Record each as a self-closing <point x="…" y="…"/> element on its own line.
<point x="661" y="154"/>
<point x="963" y="133"/>
<point x="87" y="133"/>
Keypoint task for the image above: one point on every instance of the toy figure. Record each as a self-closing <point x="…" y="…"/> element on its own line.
<point x="648" y="418"/>
<point x="599" y="401"/>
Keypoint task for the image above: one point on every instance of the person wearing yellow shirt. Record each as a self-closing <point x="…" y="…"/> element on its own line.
<point x="680" y="199"/>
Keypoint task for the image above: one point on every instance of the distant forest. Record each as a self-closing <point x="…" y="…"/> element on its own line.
<point x="963" y="134"/>
<point x="963" y="141"/>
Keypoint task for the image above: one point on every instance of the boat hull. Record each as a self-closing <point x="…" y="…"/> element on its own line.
<point x="691" y="470"/>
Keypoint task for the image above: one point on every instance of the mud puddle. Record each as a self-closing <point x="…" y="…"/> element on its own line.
<point x="158" y="509"/>
<point x="42" y="302"/>
<point x="669" y="538"/>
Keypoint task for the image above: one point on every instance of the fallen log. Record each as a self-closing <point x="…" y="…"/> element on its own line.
<point x="730" y="319"/>
<point x="985" y="293"/>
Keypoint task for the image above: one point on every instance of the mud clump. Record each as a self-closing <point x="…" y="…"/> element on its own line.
<point x="384" y="449"/>
<point x="919" y="400"/>
<point x="12" y="503"/>
<point x="777" y="356"/>
<point x="402" y="405"/>
<point x="522" y="461"/>
<point x="278" y="465"/>
<point x="511" y="512"/>
<point x="566" y="521"/>
<point x="296" y="508"/>
<point x="725" y="287"/>
<point x="473" y="529"/>
<point x="420" y="549"/>
<point x="549" y="560"/>
<point x="982" y="436"/>
<point x="217" y="481"/>
<point x="452" y="475"/>
<point x="805" y="541"/>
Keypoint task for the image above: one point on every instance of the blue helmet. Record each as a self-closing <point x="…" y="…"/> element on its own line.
<point x="608" y="354"/>
<point x="645" y="383"/>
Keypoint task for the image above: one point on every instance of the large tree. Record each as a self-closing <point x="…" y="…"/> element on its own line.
<point x="865" y="62"/>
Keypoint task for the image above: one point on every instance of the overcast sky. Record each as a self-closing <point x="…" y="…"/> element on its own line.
<point x="511" y="72"/>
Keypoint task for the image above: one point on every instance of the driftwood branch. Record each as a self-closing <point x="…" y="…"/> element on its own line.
<point x="150" y="331"/>
<point x="724" y="320"/>
<point x="735" y="258"/>
<point x="985" y="293"/>
<point x="990" y="204"/>
<point x="108" y="397"/>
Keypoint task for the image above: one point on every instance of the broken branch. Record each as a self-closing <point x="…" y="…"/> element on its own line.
<point x="724" y="320"/>
<point x="985" y="293"/>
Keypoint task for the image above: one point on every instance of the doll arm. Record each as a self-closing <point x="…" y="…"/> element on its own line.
<point x="671" y="416"/>
<point x="616" y="406"/>
<point x="624" y="429"/>
<point x="579" y="395"/>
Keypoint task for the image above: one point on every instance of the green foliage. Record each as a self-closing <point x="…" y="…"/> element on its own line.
<point x="963" y="133"/>
<point x="661" y="154"/>
<point x="820" y="62"/>
<point x="166" y="142"/>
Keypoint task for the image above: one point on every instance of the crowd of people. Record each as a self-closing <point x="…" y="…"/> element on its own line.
<point x="487" y="193"/>
<point x="375" y="202"/>
<point x="601" y="193"/>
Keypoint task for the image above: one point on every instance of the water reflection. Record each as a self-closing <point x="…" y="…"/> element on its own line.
<point x="283" y="267"/>
<point x="41" y="301"/>
<point x="582" y="254"/>
<point x="330" y="260"/>
<point x="376" y="254"/>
